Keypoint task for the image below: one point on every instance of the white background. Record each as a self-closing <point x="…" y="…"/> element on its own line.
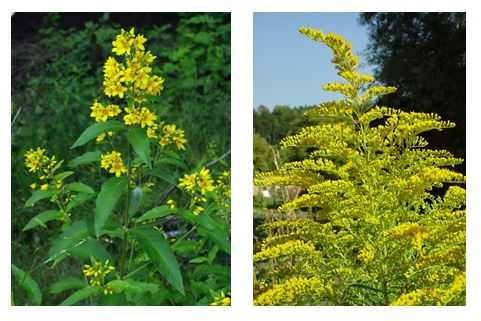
<point x="242" y="100"/>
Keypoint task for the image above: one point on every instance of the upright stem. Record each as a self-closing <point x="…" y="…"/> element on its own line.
<point x="126" y="216"/>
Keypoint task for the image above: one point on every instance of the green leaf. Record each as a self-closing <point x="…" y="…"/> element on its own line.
<point x="159" y="251"/>
<point x="157" y="212"/>
<point x="198" y="260"/>
<point x="42" y="218"/>
<point x="119" y="286"/>
<point x="135" y="200"/>
<point x="90" y="248"/>
<point x="165" y="175"/>
<point x="96" y="129"/>
<point x="87" y="158"/>
<point x="79" y="187"/>
<point x="79" y="199"/>
<point x="209" y="228"/>
<point x="28" y="283"/>
<point x="140" y="142"/>
<point x="172" y="161"/>
<point x="72" y="236"/>
<point x="67" y="284"/>
<point x="109" y="195"/>
<point x="82" y="294"/>
<point x="40" y="195"/>
<point x="62" y="176"/>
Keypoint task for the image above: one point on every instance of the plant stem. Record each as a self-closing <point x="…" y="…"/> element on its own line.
<point x="126" y="216"/>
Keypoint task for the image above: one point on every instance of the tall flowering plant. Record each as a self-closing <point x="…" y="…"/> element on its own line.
<point x="138" y="245"/>
<point x="367" y="227"/>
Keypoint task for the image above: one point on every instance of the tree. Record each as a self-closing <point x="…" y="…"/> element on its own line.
<point x="424" y="55"/>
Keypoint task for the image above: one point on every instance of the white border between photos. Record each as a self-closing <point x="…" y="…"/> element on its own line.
<point x="242" y="98"/>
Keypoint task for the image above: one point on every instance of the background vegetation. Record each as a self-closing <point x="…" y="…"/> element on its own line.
<point x="57" y="64"/>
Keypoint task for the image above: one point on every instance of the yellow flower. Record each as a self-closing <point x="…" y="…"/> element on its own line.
<point x="113" y="110"/>
<point x="132" y="116"/>
<point x="146" y="117"/>
<point x="152" y="131"/>
<point x="33" y="186"/>
<point x="113" y="163"/>
<point x="205" y="181"/>
<point x="44" y="187"/>
<point x="188" y="182"/>
<point x="138" y="42"/>
<point x="121" y="45"/>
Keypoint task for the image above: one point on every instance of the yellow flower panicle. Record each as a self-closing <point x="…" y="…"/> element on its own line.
<point x="113" y="163"/>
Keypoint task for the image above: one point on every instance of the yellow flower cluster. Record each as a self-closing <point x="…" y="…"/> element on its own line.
<point x="366" y="254"/>
<point x="201" y="182"/>
<point x="221" y="300"/>
<point x="97" y="273"/>
<point x="296" y="291"/>
<point x="113" y="163"/>
<point x="102" y="113"/>
<point x="297" y="248"/>
<point x="37" y="162"/>
<point x="139" y="115"/>
<point x="134" y="74"/>
<point x="197" y="184"/>
<point x="171" y="134"/>
<point x="434" y="296"/>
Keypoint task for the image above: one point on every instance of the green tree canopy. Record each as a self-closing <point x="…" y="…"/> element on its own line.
<point x="424" y="55"/>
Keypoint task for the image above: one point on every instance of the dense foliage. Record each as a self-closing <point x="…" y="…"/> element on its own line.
<point x="142" y="217"/>
<point x="367" y="228"/>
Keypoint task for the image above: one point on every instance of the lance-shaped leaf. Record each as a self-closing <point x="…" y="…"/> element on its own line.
<point x="109" y="195"/>
<point x="157" y="212"/>
<point x="96" y="129"/>
<point x="67" y="284"/>
<point x="159" y="251"/>
<point x="40" y="195"/>
<point x="28" y="283"/>
<point x="76" y="234"/>
<point x="82" y="294"/>
<point x="42" y="218"/>
<point x="79" y="187"/>
<point x="141" y="144"/>
<point x="87" y="158"/>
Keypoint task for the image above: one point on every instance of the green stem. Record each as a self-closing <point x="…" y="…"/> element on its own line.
<point x="126" y="216"/>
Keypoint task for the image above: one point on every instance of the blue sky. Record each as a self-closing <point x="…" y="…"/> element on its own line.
<point x="289" y="68"/>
